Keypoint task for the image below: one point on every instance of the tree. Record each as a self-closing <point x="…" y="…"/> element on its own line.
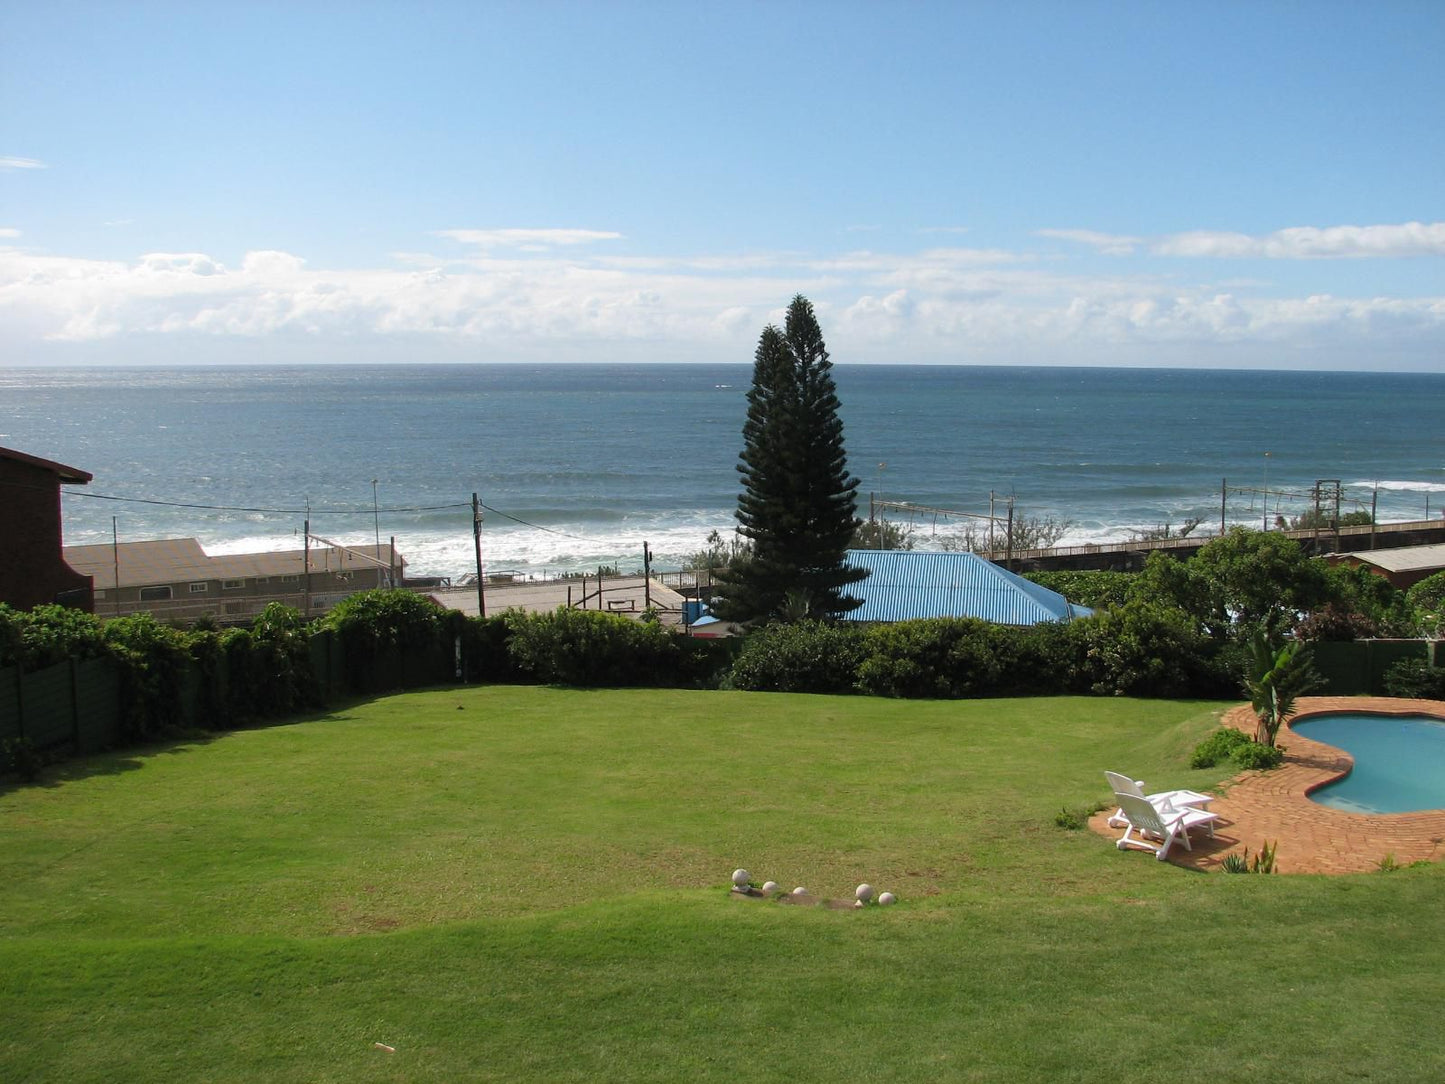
<point x="1276" y="678"/>
<point x="797" y="506"/>
<point x="882" y="534"/>
<point x="1241" y="581"/>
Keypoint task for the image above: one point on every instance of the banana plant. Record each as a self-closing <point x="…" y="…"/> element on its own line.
<point x="1278" y="675"/>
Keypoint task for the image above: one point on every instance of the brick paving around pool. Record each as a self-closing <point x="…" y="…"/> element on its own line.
<point x="1274" y="806"/>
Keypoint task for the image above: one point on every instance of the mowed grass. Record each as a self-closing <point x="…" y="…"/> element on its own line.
<point x="531" y="884"/>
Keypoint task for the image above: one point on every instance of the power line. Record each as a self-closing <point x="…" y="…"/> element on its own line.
<point x="325" y="511"/>
<point x="277" y="511"/>
<point x="539" y="527"/>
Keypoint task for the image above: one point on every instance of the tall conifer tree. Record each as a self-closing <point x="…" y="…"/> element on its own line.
<point x="798" y="501"/>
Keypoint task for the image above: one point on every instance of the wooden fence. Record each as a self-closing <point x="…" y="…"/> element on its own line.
<point x="80" y="704"/>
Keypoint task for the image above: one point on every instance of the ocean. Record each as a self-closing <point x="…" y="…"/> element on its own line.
<point x="578" y="465"/>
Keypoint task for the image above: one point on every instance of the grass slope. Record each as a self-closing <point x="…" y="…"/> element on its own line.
<point x="530" y="884"/>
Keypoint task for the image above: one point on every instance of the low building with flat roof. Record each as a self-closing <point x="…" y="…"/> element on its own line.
<point x="174" y="578"/>
<point x="1403" y="566"/>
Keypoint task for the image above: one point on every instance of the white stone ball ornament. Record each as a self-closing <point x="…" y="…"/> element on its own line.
<point x="886" y="898"/>
<point x="770" y="888"/>
<point x="863" y="893"/>
<point x="742" y="878"/>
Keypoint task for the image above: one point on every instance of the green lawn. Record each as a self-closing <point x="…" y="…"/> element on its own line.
<point x="531" y="884"/>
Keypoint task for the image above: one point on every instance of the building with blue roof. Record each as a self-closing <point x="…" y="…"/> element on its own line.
<point x="905" y="584"/>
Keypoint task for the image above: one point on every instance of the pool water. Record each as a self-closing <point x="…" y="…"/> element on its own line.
<point x="1399" y="761"/>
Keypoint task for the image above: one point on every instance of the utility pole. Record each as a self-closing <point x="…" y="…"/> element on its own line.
<point x="115" y="557"/>
<point x="306" y="570"/>
<point x="1008" y="555"/>
<point x="477" y="544"/>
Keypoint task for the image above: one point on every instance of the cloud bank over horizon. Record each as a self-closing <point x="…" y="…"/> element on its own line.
<point x="530" y="294"/>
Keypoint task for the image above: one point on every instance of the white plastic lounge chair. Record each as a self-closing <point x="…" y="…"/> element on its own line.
<point x="1163" y="825"/>
<point x="1176" y="799"/>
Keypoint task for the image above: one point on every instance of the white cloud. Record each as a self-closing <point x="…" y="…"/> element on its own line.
<point x="1314" y="243"/>
<point x="1296" y="243"/>
<point x="1107" y="243"/>
<point x="527" y="240"/>
<point x="946" y="304"/>
<point x="9" y="164"/>
<point x="9" y="232"/>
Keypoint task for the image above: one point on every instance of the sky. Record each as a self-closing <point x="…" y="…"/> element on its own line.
<point x="1224" y="185"/>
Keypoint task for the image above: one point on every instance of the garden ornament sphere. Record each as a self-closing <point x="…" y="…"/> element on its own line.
<point x="887" y="898"/>
<point x="800" y="891"/>
<point x="741" y="878"/>
<point x="770" y="887"/>
<point x="863" y="893"/>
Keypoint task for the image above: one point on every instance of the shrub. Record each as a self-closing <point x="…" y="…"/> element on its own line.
<point x="485" y="656"/>
<point x="1256" y="756"/>
<point x="590" y="648"/>
<point x="47" y="635"/>
<point x="1427" y="601"/>
<point x="1094" y="589"/>
<point x="943" y="657"/>
<point x="806" y="657"/>
<point x="1417" y="679"/>
<point x="1077" y="817"/>
<point x="1144" y="649"/>
<point x="381" y="630"/>
<point x="1240" y="863"/>
<point x="1217" y="747"/>
<point x="153" y="658"/>
<point x="1333" y="622"/>
<point x="1052" y="659"/>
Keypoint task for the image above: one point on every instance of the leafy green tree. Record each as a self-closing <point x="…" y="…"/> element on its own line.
<point x="717" y="552"/>
<point x="882" y="534"/>
<point x="1239" y="582"/>
<point x="1260" y="579"/>
<point x="797" y="506"/>
<point x="1278" y="675"/>
<point x="1427" y="603"/>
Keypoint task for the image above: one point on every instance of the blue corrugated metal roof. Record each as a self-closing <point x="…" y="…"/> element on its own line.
<point x="904" y="585"/>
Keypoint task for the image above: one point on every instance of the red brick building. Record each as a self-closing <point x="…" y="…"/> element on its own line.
<point x="32" y="568"/>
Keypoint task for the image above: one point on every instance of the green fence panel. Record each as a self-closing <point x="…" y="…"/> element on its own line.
<point x="1386" y="653"/>
<point x="1357" y="667"/>
<point x="192" y="693"/>
<point x="1344" y="666"/>
<point x="97" y="704"/>
<point x="9" y="704"/>
<point x="328" y="663"/>
<point x="48" y="699"/>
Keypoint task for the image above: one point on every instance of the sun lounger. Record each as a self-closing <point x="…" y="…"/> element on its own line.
<point x="1156" y="830"/>
<point x="1176" y="799"/>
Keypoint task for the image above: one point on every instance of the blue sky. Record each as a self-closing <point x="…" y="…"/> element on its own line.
<point x="1224" y="185"/>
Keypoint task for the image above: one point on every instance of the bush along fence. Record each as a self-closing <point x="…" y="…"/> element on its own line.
<point x="72" y="684"/>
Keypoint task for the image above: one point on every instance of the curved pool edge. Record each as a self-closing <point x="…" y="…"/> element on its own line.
<point x="1274" y="806"/>
<point x="1434" y="709"/>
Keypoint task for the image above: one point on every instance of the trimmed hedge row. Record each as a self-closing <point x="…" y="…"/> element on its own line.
<point x="1136" y="649"/>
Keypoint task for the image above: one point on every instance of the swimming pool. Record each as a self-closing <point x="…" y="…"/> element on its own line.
<point x="1399" y="761"/>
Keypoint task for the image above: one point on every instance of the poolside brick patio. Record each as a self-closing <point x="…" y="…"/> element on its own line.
<point x="1273" y="806"/>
